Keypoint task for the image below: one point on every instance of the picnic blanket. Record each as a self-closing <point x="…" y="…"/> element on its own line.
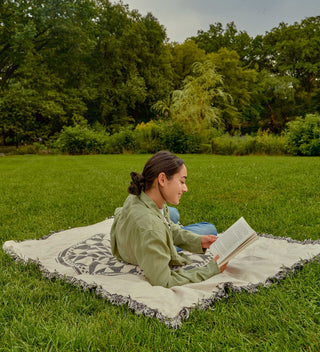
<point x="83" y="257"/>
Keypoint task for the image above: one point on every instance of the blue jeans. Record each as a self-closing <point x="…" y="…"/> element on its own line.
<point x="200" y="228"/>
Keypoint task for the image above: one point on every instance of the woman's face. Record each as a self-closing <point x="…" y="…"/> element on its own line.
<point x="172" y="189"/>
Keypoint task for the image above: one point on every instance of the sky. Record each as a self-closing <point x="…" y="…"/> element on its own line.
<point x="183" y="18"/>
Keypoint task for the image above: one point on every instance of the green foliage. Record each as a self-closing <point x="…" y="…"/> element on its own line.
<point x="130" y="64"/>
<point x="81" y="140"/>
<point x="237" y="82"/>
<point x="174" y="137"/>
<point x="84" y="62"/>
<point x="69" y="60"/>
<point x="304" y="135"/>
<point x="38" y="109"/>
<point x="218" y="37"/>
<point x="194" y="106"/>
<point x="34" y="148"/>
<point x="166" y="134"/>
<point x="274" y="100"/>
<point x="154" y="136"/>
<point x="40" y="93"/>
<point x="263" y="143"/>
<point x="184" y="56"/>
<point x="147" y="137"/>
<point x="286" y="53"/>
<point x="293" y="50"/>
<point x="122" y="141"/>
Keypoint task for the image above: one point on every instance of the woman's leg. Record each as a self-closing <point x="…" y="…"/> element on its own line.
<point x="174" y="214"/>
<point x="201" y="228"/>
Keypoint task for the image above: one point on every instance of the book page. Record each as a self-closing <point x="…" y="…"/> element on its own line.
<point x="232" y="238"/>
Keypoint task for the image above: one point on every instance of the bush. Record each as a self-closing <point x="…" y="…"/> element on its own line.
<point x="35" y="148"/>
<point x="28" y="149"/>
<point x="7" y="149"/>
<point x="147" y="137"/>
<point x="156" y="135"/>
<point x="268" y="143"/>
<point x="82" y="140"/>
<point x="122" y="141"/>
<point x="172" y="137"/>
<point x="263" y="143"/>
<point x="304" y="135"/>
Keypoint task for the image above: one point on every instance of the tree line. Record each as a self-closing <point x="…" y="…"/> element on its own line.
<point x="99" y="64"/>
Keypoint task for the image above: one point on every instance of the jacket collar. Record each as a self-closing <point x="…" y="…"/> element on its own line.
<point x="150" y="204"/>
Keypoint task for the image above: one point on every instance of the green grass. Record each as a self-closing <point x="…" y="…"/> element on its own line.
<point x="39" y="194"/>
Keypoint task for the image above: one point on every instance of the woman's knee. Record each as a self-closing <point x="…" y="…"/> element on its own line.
<point x="174" y="214"/>
<point x="202" y="228"/>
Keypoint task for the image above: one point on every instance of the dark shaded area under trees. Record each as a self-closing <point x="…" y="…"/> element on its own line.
<point x="97" y="64"/>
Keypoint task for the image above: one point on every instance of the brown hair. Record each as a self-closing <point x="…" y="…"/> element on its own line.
<point x="162" y="161"/>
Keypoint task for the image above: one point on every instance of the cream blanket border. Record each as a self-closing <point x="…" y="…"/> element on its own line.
<point x="267" y="260"/>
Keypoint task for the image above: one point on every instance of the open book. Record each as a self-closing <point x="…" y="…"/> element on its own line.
<point x="232" y="241"/>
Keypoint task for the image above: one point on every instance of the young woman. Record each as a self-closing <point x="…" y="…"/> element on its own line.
<point x="143" y="234"/>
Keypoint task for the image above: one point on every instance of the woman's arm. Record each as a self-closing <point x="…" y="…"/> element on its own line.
<point x="154" y="258"/>
<point x="186" y="239"/>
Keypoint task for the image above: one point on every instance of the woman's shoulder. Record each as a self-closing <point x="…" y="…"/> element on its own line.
<point x="139" y="215"/>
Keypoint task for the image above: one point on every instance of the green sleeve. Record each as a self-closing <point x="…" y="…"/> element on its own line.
<point x="153" y="256"/>
<point x="186" y="239"/>
<point x="182" y="238"/>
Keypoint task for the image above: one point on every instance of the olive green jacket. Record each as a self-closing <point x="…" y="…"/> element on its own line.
<point x="141" y="236"/>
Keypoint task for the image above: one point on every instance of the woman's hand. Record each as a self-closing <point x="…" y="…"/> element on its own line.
<point x="222" y="267"/>
<point x="207" y="240"/>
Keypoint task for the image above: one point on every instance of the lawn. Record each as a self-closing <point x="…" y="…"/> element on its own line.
<point x="39" y="194"/>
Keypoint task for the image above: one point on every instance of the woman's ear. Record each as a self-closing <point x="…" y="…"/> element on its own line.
<point x="162" y="178"/>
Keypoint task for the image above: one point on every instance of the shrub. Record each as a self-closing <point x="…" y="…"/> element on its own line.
<point x="81" y="140"/>
<point x="7" y="149"/>
<point x="268" y="143"/>
<point x="28" y="149"/>
<point x="156" y="135"/>
<point x="122" y="141"/>
<point x="147" y="137"/>
<point x="35" y="148"/>
<point x="263" y="143"/>
<point x="304" y="135"/>
<point x="173" y="137"/>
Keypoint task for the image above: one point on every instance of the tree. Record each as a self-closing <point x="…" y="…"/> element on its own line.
<point x="237" y="82"/>
<point x="183" y="57"/>
<point x="78" y="60"/>
<point x="38" y="104"/>
<point x="217" y="37"/>
<point x="304" y="135"/>
<point x="42" y="72"/>
<point x="194" y="106"/>
<point x="56" y="29"/>
<point x="131" y="65"/>
<point x="276" y="95"/>
<point x="293" y="50"/>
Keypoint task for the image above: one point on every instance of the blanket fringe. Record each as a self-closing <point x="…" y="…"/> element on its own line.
<point x="223" y="290"/>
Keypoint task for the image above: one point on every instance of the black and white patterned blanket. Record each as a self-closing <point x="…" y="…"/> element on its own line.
<point x="83" y="257"/>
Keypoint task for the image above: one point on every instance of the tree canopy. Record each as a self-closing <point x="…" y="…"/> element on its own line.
<point x="88" y="62"/>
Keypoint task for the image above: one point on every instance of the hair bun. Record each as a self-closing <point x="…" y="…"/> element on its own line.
<point x="137" y="183"/>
